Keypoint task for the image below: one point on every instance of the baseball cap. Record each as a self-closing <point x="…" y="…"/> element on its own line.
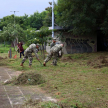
<point x="37" y="44"/>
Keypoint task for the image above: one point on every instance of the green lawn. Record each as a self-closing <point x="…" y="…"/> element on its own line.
<point x="79" y="80"/>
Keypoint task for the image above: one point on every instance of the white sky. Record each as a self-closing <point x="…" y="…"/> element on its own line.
<point x="23" y="6"/>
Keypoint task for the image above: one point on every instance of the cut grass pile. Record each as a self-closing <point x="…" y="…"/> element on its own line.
<point x="29" y="79"/>
<point x="78" y="80"/>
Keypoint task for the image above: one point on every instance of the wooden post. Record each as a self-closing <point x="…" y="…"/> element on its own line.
<point x="10" y="53"/>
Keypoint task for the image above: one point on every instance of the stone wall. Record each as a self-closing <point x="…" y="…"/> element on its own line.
<point x="77" y="44"/>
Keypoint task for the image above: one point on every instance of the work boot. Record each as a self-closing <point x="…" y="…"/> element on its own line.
<point x="54" y="64"/>
<point x="21" y="64"/>
<point x="44" y="64"/>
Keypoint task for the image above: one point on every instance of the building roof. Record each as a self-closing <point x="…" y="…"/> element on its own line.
<point x="56" y="27"/>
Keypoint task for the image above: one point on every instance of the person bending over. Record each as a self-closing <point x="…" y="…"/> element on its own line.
<point x="28" y="54"/>
<point x="54" y="52"/>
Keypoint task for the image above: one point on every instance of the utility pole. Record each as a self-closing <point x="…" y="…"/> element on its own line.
<point x="52" y="18"/>
<point x="14" y="28"/>
<point x="14" y="16"/>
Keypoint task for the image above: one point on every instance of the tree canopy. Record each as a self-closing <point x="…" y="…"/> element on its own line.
<point x="33" y="21"/>
<point x="12" y="33"/>
<point x="77" y="16"/>
<point x="82" y="16"/>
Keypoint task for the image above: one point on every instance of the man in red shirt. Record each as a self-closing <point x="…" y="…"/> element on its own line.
<point x="21" y="49"/>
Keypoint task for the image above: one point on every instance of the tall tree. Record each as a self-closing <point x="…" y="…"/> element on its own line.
<point x="10" y="19"/>
<point x="6" y="20"/>
<point x="26" y="22"/>
<point x="12" y="34"/>
<point x="1" y="37"/>
<point x="48" y="18"/>
<point x="83" y="16"/>
<point x="35" y="20"/>
<point x="45" y="18"/>
<point x="41" y="36"/>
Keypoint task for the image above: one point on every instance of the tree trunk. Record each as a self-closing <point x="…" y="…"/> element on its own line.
<point x="43" y="51"/>
<point x="14" y="44"/>
<point x="16" y="39"/>
<point x="4" y="43"/>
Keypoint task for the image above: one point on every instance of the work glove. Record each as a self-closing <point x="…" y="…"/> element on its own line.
<point x="44" y="64"/>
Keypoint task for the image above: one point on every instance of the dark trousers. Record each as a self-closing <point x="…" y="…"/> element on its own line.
<point x="21" y="53"/>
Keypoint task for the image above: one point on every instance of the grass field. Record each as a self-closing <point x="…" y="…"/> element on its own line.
<point x="79" y="80"/>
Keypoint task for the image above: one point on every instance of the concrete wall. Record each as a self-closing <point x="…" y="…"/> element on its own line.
<point x="78" y="44"/>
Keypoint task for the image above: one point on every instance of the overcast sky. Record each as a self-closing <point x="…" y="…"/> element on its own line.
<point x="23" y="6"/>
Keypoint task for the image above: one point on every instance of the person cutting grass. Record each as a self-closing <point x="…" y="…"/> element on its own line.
<point x="54" y="52"/>
<point x="28" y="54"/>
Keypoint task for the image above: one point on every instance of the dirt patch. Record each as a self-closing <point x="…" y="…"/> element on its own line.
<point x="3" y="58"/>
<point x="3" y="61"/>
<point x="98" y="62"/>
<point x="67" y="59"/>
<point x="29" y="79"/>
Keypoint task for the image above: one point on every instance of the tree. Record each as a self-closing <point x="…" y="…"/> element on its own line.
<point x="10" y="19"/>
<point x="26" y="22"/>
<point x="82" y="16"/>
<point x="35" y="20"/>
<point x="6" y="20"/>
<point x="1" y="37"/>
<point x="41" y="36"/>
<point x="11" y="33"/>
<point x="48" y="18"/>
<point x="30" y="33"/>
<point x="45" y="18"/>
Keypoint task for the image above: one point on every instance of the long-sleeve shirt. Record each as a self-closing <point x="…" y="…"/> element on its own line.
<point x="56" y="48"/>
<point x="52" y="44"/>
<point x="21" y="47"/>
<point x="32" y="48"/>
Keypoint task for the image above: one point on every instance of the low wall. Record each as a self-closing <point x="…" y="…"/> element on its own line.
<point x="78" y="44"/>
